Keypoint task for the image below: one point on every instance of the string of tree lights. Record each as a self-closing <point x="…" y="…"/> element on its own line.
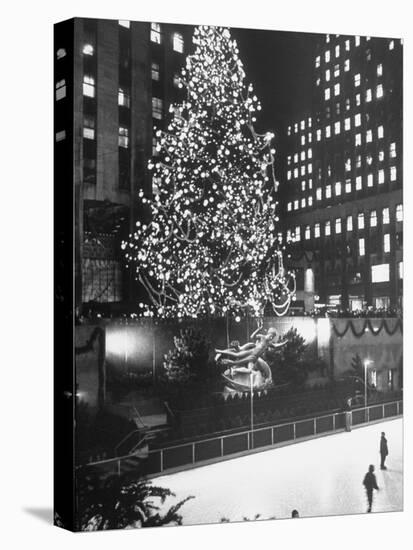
<point x="211" y="246"/>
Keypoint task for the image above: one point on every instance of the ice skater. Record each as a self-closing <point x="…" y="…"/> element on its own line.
<point x="295" y="514"/>
<point x="370" y="483"/>
<point x="384" y="451"/>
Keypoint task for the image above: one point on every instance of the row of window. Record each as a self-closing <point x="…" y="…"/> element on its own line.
<point x="338" y="222"/>
<point x="369" y="95"/>
<point x="157" y="38"/>
<point x="337" y="51"/>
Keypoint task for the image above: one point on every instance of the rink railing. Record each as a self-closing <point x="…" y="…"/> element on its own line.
<point x="213" y="449"/>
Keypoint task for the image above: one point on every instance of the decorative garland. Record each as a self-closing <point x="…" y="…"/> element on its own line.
<point x="368" y="325"/>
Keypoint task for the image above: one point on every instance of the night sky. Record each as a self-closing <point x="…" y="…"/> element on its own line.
<point x="279" y="65"/>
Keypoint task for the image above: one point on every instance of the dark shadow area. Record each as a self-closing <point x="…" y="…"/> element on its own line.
<point x="44" y="514"/>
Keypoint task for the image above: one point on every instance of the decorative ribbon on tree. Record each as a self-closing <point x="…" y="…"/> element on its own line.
<point x="212" y="246"/>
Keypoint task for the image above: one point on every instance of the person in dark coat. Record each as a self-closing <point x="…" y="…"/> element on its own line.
<point x="370" y="483"/>
<point x="384" y="450"/>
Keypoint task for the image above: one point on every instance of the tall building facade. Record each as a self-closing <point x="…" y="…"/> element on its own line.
<point x="125" y="78"/>
<point x="341" y="190"/>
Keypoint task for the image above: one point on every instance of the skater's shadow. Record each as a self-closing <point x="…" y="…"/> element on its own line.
<point x="44" y="514"/>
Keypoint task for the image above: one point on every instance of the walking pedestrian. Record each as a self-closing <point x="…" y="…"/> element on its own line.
<point x="384" y="451"/>
<point x="370" y="483"/>
<point x="347" y="411"/>
<point x="295" y="514"/>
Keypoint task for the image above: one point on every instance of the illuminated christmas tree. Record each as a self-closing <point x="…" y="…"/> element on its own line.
<point x="212" y="246"/>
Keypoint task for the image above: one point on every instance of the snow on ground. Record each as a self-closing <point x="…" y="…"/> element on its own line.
<point x="318" y="477"/>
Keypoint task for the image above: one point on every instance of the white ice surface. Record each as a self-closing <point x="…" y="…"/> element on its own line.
<point x="318" y="477"/>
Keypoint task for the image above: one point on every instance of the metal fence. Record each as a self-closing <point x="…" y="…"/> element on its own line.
<point x="189" y="455"/>
<point x="214" y="448"/>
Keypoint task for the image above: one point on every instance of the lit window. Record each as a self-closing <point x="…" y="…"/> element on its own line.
<point x="123" y="137"/>
<point x="336" y="89"/>
<point x="154" y="147"/>
<point x="89" y="127"/>
<point x="338" y="226"/>
<point x="337" y="51"/>
<point x="328" y="191"/>
<point x="302" y="125"/>
<point x="370" y="180"/>
<point x="310" y="168"/>
<point x="392" y="150"/>
<point x="123" y="98"/>
<point x="309" y="137"/>
<point x="296" y="172"/>
<point x="400" y="270"/>
<point x="295" y="128"/>
<point x="289" y="206"/>
<point x="303" y="203"/>
<point x="297" y="233"/>
<point x="347" y="65"/>
<point x="373" y="218"/>
<point x="327" y="56"/>
<point x="386" y="216"/>
<point x="369" y="136"/>
<point x="310" y="201"/>
<point x="399" y="213"/>
<point x="348" y="186"/>
<point x="348" y="165"/>
<point x="327" y="75"/>
<point x="358" y="100"/>
<point x="303" y="185"/>
<point x="318" y="194"/>
<point x="61" y="52"/>
<point x="157" y="108"/>
<point x="357" y="79"/>
<point x="327" y="38"/>
<point x="317" y="230"/>
<point x="358" y="139"/>
<point x="309" y="122"/>
<point x="393" y="173"/>
<point x="318" y="135"/>
<point x="391" y="44"/>
<point x="380" y="273"/>
<point x="307" y="232"/>
<point x="289" y="160"/>
<point x="178" y="42"/>
<point x="368" y="95"/>
<point x="295" y="158"/>
<point x="302" y="140"/>
<point x="369" y="160"/>
<point x="379" y="69"/>
<point x="88" y="86"/>
<point x="155" y="71"/>
<point x="88" y="49"/>
<point x="177" y="80"/>
<point x="60" y="136"/>
<point x="360" y="220"/>
<point x="347" y="45"/>
<point x="327" y="93"/>
<point x="288" y="235"/>
<point x="347" y="123"/>
<point x="386" y="243"/>
<point x="380" y="132"/>
<point x="347" y="104"/>
<point x="328" y="131"/>
<point x="337" y="108"/>
<point x="362" y="247"/>
<point x="358" y="183"/>
<point x="296" y="205"/>
<point x="357" y="41"/>
<point x="302" y="170"/>
<point x="379" y="91"/>
<point x="310" y="183"/>
<point x="336" y="70"/>
<point x="338" y="188"/>
<point x="60" y="89"/>
<point x="357" y="119"/>
<point x="349" y="224"/>
<point x="156" y="33"/>
<point x="289" y="131"/>
<point x="327" y="229"/>
<point x="309" y="153"/>
<point x="358" y="161"/>
<point x="317" y="61"/>
<point x="381" y="156"/>
<point x="124" y="23"/>
<point x="381" y="176"/>
<point x="289" y="175"/>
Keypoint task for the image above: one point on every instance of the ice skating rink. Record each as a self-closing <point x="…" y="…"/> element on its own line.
<point x="318" y="478"/>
